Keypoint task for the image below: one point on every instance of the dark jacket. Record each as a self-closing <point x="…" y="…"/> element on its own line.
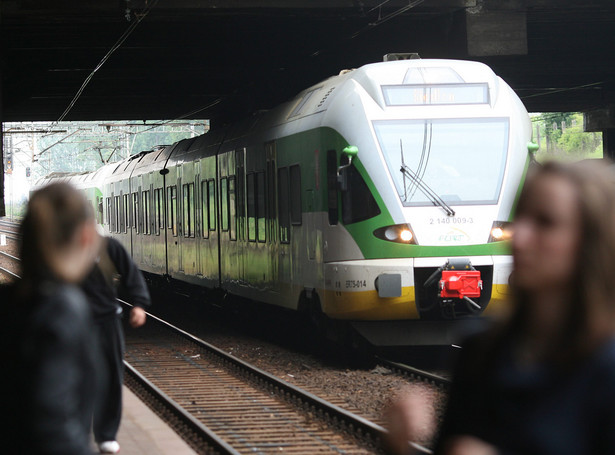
<point x="130" y="283"/>
<point x="538" y="410"/>
<point x="49" y="379"/>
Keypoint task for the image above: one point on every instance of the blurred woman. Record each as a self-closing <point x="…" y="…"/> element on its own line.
<point x="543" y="382"/>
<point x="49" y="376"/>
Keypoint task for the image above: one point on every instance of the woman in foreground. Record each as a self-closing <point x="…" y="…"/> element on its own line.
<point x="48" y="351"/>
<point x="543" y="382"/>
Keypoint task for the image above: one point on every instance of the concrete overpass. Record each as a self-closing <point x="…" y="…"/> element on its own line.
<point x="223" y="59"/>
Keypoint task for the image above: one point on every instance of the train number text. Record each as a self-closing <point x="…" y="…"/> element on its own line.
<point x="353" y="284"/>
<point x="452" y="220"/>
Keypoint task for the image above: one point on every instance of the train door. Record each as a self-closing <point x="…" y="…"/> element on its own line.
<point x="111" y="210"/>
<point x="158" y="226"/>
<point x="242" y="251"/>
<point x="127" y="228"/>
<point x="198" y="219"/>
<point x="272" y="215"/>
<point x="146" y="202"/>
<point x="187" y="232"/>
<point x="209" y="222"/>
<point x="227" y="219"/>
<point x="180" y="220"/>
<point x="313" y="234"/>
<point x="171" y="182"/>
<point x="138" y="198"/>
<point x="130" y="238"/>
<point x="284" y="231"/>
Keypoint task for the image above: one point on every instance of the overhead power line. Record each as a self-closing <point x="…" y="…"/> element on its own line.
<point x="115" y="47"/>
<point x="567" y="89"/>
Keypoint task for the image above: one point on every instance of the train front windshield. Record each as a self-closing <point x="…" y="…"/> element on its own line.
<point x="461" y="160"/>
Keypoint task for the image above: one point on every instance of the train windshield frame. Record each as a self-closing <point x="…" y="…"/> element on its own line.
<point x="462" y="160"/>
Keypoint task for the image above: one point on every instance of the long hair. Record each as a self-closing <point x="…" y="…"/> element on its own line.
<point x="589" y="314"/>
<point x="53" y="216"/>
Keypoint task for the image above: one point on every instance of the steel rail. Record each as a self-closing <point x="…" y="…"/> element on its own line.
<point x="10" y="256"/>
<point x="423" y="375"/>
<point x="172" y="411"/>
<point x="10" y="234"/>
<point x="335" y="413"/>
<point x="8" y="272"/>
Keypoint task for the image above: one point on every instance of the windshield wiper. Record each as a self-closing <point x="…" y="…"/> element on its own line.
<point x="425" y="189"/>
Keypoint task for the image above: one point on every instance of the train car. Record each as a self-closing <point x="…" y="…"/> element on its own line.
<point x="380" y="197"/>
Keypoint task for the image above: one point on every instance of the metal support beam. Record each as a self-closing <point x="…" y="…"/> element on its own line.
<point x="599" y="119"/>
<point x="500" y="30"/>
<point x="608" y="143"/>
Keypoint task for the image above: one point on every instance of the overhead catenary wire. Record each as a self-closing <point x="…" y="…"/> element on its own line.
<point x="381" y="20"/>
<point x="567" y="89"/>
<point x="115" y="47"/>
<point x="183" y="116"/>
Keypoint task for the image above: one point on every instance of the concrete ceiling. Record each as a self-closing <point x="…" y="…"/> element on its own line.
<point x="225" y="59"/>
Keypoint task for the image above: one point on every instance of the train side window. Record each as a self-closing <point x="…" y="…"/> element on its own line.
<point x="241" y="194"/>
<point x="232" y="208"/>
<point x="116" y="214"/>
<point x="126" y="213"/>
<point x="358" y="203"/>
<point x="332" y="187"/>
<point x="295" y="195"/>
<point x="146" y="215"/>
<point x="99" y="211"/>
<point x="271" y="200"/>
<point x="111" y="215"/>
<point x="224" y="204"/>
<point x="108" y="214"/>
<point x="122" y="218"/>
<point x="211" y="195"/>
<point x="140" y="213"/>
<point x="188" y="206"/>
<point x="261" y="209"/>
<point x="135" y="211"/>
<point x="204" y="210"/>
<point x="283" y="205"/>
<point x="172" y="209"/>
<point x="161" y="204"/>
<point x="158" y="211"/>
<point x="251" y="207"/>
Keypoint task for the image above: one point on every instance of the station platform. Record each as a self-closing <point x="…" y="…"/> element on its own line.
<point x="142" y="432"/>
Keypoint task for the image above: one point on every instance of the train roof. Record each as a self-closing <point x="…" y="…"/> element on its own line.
<point x="305" y="105"/>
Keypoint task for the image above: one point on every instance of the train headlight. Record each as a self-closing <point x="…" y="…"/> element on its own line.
<point x="500" y="231"/>
<point x="497" y="233"/>
<point x="405" y="235"/>
<point x="400" y="233"/>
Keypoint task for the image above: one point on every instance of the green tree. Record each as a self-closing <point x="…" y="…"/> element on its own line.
<point x="574" y="142"/>
<point x="562" y="137"/>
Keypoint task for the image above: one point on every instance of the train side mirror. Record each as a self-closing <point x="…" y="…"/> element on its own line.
<point x="342" y="177"/>
<point x="532" y="148"/>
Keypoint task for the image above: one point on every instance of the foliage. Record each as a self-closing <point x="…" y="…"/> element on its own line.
<point x="561" y="137"/>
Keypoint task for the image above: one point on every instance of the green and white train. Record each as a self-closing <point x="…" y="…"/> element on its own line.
<point x="379" y="196"/>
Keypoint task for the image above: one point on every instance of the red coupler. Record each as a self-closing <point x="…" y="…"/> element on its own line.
<point x="457" y="284"/>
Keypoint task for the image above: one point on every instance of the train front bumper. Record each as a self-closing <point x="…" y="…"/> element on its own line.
<point x="387" y="289"/>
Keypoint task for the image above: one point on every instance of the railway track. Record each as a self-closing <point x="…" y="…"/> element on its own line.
<point x="221" y="404"/>
<point x="193" y="431"/>
<point x="247" y="408"/>
<point x="11" y="235"/>
<point x="416" y="373"/>
<point x="9" y="227"/>
<point x="7" y="271"/>
<point x="9" y="264"/>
